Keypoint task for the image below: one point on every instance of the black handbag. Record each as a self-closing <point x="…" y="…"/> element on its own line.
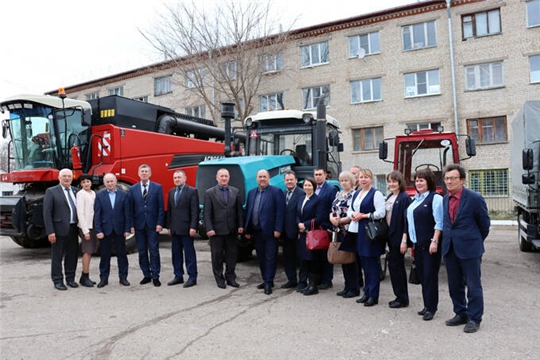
<point x="377" y="230"/>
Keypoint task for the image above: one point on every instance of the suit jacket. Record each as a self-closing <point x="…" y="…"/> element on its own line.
<point x="185" y="215"/>
<point x="327" y="194"/>
<point x="470" y="227"/>
<point x="291" y="213"/>
<point x="108" y="220"/>
<point x="272" y="210"/>
<point x="398" y="221"/>
<point x="223" y="217"/>
<point x="314" y="209"/>
<point x="149" y="213"/>
<point x="56" y="213"/>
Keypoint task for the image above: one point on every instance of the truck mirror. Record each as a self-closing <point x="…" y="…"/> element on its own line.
<point x="5" y="129"/>
<point x="87" y="118"/>
<point x="527" y="160"/>
<point x="470" y="147"/>
<point x="383" y="150"/>
<point x="340" y="147"/>
<point x="528" y="179"/>
<point x="333" y="138"/>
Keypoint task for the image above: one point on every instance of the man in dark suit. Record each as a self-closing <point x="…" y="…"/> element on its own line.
<point x="465" y="227"/>
<point x="182" y="218"/>
<point x="265" y="211"/>
<point x="112" y="221"/>
<point x="148" y="217"/>
<point x="327" y="193"/>
<point x="223" y="220"/>
<point x="293" y="195"/>
<point x="60" y="217"/>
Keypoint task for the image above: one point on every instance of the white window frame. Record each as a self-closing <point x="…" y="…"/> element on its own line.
<point x="480" y="24"/>
<point x="117" y="91"/>
<point x="92" y="96"/>
<point x="418" y="36"/>
<point x="197" y="111"/>
<point x="534" y="68"/>
<point x="141" y="98"/>
<point x="228" y="70"/>
<point x="414" y="82"/>
<point x="271" y="102"/>
<point x="533" y="13"/>
<point x="315" y="54"/>
<point x="366" y="90"/>
<point x="370" y="42"/>
<point x="271" y="62"/>
<point x="195" y="78"/>
<point x="310" y="96"/>
<point x="484" y="76"/>
<point x="420" y="126"/>
<point x="163" y="85"/>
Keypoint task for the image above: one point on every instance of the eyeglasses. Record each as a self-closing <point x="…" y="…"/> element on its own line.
<point x="451" y="178"/>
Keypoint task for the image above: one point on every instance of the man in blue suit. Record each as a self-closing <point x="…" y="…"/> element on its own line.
<point x="293" y="195"/>
<point x="264" y="222"/>
<point x="466" y="226"/>
<point x="112" y="221"/>
<point x="327" y="193"/>
<point x="148" y="218"/>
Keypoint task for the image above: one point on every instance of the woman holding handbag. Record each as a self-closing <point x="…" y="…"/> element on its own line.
<point x="311" y="213"/>
<point x="367" y="203"/>
<point x="340" y="223"/>
<point x="396" y="208"/>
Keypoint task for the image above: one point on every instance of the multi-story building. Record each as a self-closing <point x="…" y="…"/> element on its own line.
<point x="468" y="65"/>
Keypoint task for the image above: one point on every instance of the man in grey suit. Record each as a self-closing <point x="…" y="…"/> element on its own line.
<point x="182" y="217"/>
<point x="223" y="216"/>
<point x="60" y="217"/>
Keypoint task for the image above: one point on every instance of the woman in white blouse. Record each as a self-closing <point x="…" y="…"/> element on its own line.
<point x="85" y="213"/>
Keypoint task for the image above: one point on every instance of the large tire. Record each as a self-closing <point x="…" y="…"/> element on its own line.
<point x="524" y="245"/>
<point x="26" y="243"/>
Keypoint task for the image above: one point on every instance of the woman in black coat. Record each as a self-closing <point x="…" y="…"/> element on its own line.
<point x="396" y="209"/>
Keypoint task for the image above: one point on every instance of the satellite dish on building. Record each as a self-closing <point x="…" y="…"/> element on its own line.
<point x="361" y="53"/>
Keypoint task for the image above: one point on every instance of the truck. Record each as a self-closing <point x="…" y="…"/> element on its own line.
<point x="276" y="141"/>
<point x="112" y="134"/>
<point x="525" y="174"/>
<point x="426" y="148"/>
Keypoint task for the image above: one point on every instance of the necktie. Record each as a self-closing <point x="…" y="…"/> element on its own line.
<point x="289" y="194"/>
<point x="225" y="195"/>
<point x="177" y="195"/>
<point x="256" y="206"/>
<point x="72" y="206"/>
<point x="145" y="191"/>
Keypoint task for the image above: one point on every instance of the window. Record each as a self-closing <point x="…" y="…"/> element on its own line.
<point x="92" y="96"/>
<point x="534" y="63"/>
<point x="420" y="126"/>
<point x="195" y="78"/>
<point x="271" y="102"/>
<point x="419" y="36"/>
<point x="163" y="85"/>
<point x="533" y="13"/>
<point x="369" y="42"/>
<point x="488" y="130"/>
<point x="271" y="62"/>
<point x="117" y="91"/>
<point x="481" y="24"/>
<point x="366" y="90"/>
<point x="228" y="70"/>
<point x="422" y="83"/>
<point x="141" y="98"/>
<point x="484" y="76"/>
<point x="367" y="138"/>
<point x="198" y="111"/>
<point x="489" y="182"/>
<point x="380" y="183"/>
<point x="311" y="96"/>
<point x="315" y="54"/>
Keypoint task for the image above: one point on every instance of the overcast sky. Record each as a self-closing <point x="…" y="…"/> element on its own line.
<point x="58" y="43"/>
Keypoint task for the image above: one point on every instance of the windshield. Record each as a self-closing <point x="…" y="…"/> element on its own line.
<point x="39" y="142"/>
<point x="269" y="143"/>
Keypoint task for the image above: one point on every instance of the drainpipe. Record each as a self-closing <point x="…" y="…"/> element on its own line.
<point x="454" y="95"/>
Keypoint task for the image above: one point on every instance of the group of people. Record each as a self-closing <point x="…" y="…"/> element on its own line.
<point x="453" y="228"/>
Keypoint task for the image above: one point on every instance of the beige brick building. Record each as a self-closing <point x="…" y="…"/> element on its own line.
<point x="390" y="70"/>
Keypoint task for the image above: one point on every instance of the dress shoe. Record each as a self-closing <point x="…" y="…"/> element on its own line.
<point x="85" y="281"/>
<point x="363" y="299"/>
<point x="267" y="289"/>
<point x="262" y="285"/>
<point x="124" y="282"/>
<point x="176" y="281"/>
<point x="342" y="292"/>
<point x="190" y="283"/>
<point x="145" y="280"/>
<point x="457" y="320"/>
<point x="471" y="327"/>
<point x="60" y="286"/>
<point x="422" y="312"/>
<point x="350" y="294"/>
<point x="301" y="287"/>
<point x="325" y="286"/>
<point x="311" y="290"/>
<point x="103" y="283"/>
<point x="396" y="304"/>
<point x="371" y="301"/>
<point x="289" y="285"/>
<point x="72" y="284"/>
<point x="221" y="285"/>
<point x="233" y="283"/>
<point x="428" y="315"/>
<point x="157" y="282"/>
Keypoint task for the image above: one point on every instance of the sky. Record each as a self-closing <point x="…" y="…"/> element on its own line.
<point x="59" y="43"/>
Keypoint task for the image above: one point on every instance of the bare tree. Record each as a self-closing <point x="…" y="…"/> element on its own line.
<point x="219" y="54"/>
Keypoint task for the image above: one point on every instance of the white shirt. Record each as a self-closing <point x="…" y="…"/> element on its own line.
<point x="378" y="202"/>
